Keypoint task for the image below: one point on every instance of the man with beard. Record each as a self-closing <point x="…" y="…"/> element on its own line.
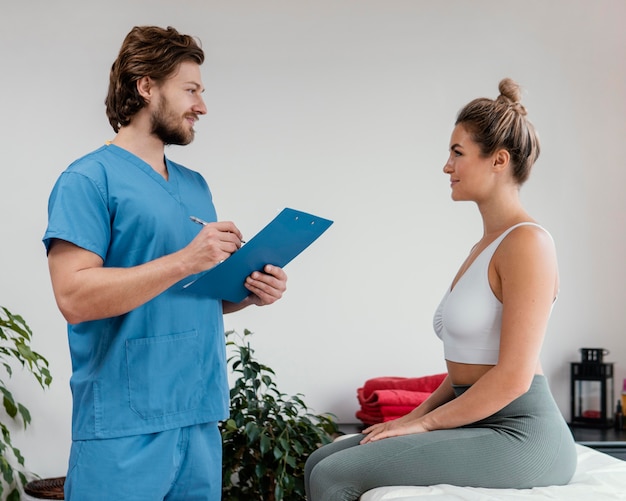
<point x="149" y="381"/>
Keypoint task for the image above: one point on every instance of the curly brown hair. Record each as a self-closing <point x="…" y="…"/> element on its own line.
<point x="502" y="123"/>
<point x="146" y="51"/>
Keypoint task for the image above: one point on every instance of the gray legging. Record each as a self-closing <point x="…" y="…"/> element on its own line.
<point x="526" y="444"/>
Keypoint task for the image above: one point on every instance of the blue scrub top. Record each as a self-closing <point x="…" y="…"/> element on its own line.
<point x="162" y="365"/>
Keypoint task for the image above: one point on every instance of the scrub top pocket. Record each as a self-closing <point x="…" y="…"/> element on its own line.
<point x="164" y="375"/>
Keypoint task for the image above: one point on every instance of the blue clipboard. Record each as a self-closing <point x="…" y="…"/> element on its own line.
<point x="286" y="236"/>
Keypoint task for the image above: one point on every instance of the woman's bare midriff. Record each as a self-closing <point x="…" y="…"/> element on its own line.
<point x="468" y="374"/>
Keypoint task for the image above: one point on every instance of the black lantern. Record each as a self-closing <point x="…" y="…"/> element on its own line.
<point x="592" y="390"/>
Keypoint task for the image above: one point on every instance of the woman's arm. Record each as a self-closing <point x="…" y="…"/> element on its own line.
<point x="525" y="280"/>
<point x="442" y="395"/>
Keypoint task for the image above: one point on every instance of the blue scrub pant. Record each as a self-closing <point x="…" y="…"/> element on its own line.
<point x="173" y="465"/>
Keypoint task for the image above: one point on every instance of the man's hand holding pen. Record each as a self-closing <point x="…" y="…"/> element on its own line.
<point x="213" y="244"/>
<point x="197" y="220"/>
<point x="219" y="240"/>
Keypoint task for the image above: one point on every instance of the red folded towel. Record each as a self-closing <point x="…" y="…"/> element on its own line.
<point x="380" y="398"/>
<point x="386" y="398"/>
<point x="384" y="405"/>
<point x="424" y="383"/>
<point x="369" y="419"/>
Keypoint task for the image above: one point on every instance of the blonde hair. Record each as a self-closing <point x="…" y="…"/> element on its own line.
<point x="502" y="123"/>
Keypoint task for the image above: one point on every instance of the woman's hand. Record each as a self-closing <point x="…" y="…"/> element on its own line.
<point x="405" y="425"/>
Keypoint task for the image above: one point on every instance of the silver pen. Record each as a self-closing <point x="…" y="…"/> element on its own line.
<point x="198" y="220"/>
<point x="204" y="223"/>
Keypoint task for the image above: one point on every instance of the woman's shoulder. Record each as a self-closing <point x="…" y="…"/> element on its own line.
<point x="526" y="241"/>
<point x="527" y="232"/>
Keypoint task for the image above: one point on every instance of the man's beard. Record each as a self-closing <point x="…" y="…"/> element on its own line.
<point x="167" y="127"/>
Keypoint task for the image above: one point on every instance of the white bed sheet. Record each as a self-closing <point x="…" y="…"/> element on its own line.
<point x="598" y="477"/>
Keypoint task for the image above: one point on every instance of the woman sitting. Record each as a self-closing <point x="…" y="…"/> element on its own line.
<point x="493" y="421"/>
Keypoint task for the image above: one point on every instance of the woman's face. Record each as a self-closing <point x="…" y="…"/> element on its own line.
<point x="471" y="174"/>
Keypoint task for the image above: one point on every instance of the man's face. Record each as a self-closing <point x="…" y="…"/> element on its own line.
<point x="179" y="105"/>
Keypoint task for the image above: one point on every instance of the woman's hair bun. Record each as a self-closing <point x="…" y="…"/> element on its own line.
<point x="512" y="92"/>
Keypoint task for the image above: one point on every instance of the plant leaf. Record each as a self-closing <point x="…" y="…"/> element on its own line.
<point x="269" y="435"/>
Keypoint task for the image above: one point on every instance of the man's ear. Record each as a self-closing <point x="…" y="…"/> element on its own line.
<point x="145" y="87"/>
<point x="501" y="160"/>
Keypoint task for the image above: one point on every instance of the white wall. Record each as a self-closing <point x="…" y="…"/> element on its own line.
<point x="344" y="109"/>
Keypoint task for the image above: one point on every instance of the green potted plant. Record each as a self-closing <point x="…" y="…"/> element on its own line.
<point x="268" y="436"/>
<point x="15" y="338"/>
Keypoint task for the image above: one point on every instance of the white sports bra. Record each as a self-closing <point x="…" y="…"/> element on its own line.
<point x="469" y="317"/>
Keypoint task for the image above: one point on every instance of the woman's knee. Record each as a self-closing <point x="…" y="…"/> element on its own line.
<point x="312" y="461"/>
<point x="334" y="479"/>
<point x="325" y="484"/>
<point x="323" y="471"/>
<point x="308" y="467"/>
